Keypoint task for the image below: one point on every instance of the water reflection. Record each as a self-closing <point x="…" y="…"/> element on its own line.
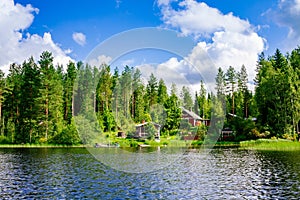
<point x="218" y="174"/>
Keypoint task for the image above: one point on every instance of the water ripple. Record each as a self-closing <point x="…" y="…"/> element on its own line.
<point x="219" y="174"/>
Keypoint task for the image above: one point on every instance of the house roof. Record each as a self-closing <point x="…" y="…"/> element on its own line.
<point x="191" y="113"/>
<point x="142" y="124"/>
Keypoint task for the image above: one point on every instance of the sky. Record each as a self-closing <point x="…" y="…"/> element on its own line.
<point x="209" y="34"/>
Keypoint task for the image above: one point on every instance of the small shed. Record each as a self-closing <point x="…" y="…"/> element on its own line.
<point x="141" y="130"/>
<point x="121" y="134"/>
<point x="226" y="134"/>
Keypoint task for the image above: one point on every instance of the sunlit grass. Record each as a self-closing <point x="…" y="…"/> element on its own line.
<point x="270" y="144"/>
<point x="39" y="146"/>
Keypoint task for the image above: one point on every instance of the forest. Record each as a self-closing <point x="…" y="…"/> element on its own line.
<point x="42" y="103"/>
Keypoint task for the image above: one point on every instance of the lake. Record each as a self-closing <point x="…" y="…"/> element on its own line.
<point x="74" y="173"/>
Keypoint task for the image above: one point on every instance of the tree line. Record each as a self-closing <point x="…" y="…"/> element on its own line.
<point x="40" y="102"/>
<point x="273" y="109"/>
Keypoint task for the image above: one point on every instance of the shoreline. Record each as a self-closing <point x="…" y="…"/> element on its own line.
<point x="40" y="146"/>
<point x="260" y="144"/>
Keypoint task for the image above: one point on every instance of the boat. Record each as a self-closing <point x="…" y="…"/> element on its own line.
<point x="106" y="145"/>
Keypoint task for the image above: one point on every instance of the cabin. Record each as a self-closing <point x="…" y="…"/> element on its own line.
<point x="193" y="118"/>
<point x="226" y="134"/>
<point x="141" y="130"/>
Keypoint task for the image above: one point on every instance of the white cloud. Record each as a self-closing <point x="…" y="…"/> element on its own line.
<point x="128" y="62"/>
<point x="165" y="71"/>
<point x="79" y="38"/>
<point x="14" y="47"/>
<point x="118" y="3"/>
<point x="163" y="2"/>
<point x="199" y="19"/>
<point x="287" y="14"/>
<point x="100" y="60"/>
<point x="231" y="41"/>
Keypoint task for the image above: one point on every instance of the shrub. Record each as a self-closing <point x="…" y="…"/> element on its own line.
<point x="4" y="140"/>
<point x="68" y="136"/>
<point x="289" y="136"/>
<point x="201" y="132"/>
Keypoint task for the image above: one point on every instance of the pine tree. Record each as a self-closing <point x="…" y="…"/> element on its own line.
<point x="244" y="92"/>
<point x="137" y="101"/>
<point x="220" y="83"/>
<point x="151" y="91"/>
<point x="11" y="107"/>
<point x="51" y="98"/>
<point x="231" y="81"/>
<point x="202" y="102"/>
<point x="173" y="113"/>
<point x="69" y="81"/>
<point x="186" y="98"/>
<point x="162" y="93"/>
<point x="29" y="105"/>
<point x="2" y="90"/>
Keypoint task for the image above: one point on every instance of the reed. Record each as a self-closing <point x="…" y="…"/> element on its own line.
<point x="271" y="144"/>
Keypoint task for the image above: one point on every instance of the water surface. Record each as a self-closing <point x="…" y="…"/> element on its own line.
<point x="219" y="174"/>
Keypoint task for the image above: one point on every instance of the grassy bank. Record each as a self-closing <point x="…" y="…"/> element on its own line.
<point x="39" y="146"/>
<point x="260" y="144"/>
<point x="270" y="144"/>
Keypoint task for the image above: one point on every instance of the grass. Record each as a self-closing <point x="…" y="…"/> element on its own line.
<point x="39" y="146"/>
<point x="271" y="144"/>
<point x="175" y="141"/>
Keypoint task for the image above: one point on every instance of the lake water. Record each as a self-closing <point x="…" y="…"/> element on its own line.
<point x="219" y="174"/>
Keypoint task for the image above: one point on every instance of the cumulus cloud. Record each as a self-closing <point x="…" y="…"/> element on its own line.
<point x="163" y="2"/>
<point x="14" y="45"/>
<point x="165" y="71"/>
<point x="100" y="60"/>
<point x="79" y="38"/>
<point x="287" y="14"/>
<point x="199" y="19"/>
<point x="223" y="39"/>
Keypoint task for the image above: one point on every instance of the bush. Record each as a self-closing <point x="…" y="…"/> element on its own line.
<point x="173" y="132"/>
<point x="4" y="140"/>
<point x="197" y="143"/>
<point x="134" y="143"/>
<point x="289" y="136"/>
<point x="185" y="126"/>
<point x="68" y="136"/>
<point x="201" y="132"/>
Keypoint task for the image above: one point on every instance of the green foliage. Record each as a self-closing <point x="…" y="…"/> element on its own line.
<point x="88" y="129"/>
<point x="4" y="140"/>
<point x="185" y="126"/>
<point x="220" y="83"/>
<point x="151" y="91"/>
<point x="271" y="144"/>
<point x="186" y="98"/>
<point x="68" y="136"/>
<point x="277" y="94"/>
<point x="162" y="94"/>
<point x="201" y="132"/>
<point x="108" y="121"/>
<point x="39" y="101"/>
<point x="150" y="129"/>
<point x="173" y="114"/>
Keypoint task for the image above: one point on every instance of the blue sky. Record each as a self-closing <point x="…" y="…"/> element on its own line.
<point x="231" y="32"/>
<point x="99" y="20"/>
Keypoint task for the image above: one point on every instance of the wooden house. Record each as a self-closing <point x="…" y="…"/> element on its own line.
<point x="193" y="118"/>
<point x="141" y="130"/>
